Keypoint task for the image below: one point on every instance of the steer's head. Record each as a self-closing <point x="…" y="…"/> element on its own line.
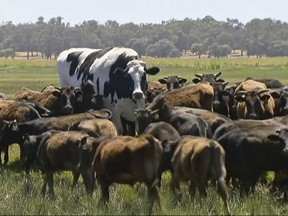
<point x="254" y="102"/>
<point x="281" y="136"/>
<point x="133" y="78"/>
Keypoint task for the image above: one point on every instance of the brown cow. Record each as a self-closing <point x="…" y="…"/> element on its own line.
<point x="194" y="95"/>
<point x="198" y="159"/>
<point x="57" y="101"/>
<point x="127" y="160"/>
<point x="254" y="100"/>
<point x="61" y="152"/>
<point x="96" y="127"/>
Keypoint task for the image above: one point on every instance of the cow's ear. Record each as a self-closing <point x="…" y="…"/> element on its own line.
<point x="153" y="70"/>
<point x="163" y="81"/>
<point x="120" y="71"/>
<point x="239" y="97"/>
<point x="196" y="80"/>
<point x="25" y="137"/>
<point x="265" y="97"/>
<point x="182" y="80"/>
<point x="273" y="137"/>
<point x="82" y="143"/>
<point x="56" y="93"/>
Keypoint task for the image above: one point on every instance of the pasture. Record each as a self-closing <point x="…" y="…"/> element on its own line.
<point x="19" y="196"/>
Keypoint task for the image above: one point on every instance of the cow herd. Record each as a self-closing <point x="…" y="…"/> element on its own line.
<point x="108" y="124"/>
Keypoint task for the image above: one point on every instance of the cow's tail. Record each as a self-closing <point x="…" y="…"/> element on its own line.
<point x="219" y="171"/>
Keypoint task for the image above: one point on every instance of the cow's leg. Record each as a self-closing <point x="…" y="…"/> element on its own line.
<point x="6" y="154"/>
<point x="192" y="188"/>
<point x="43" y="190"/>
<point x="223" y="192"/>
<point x="89" y="180"/>
<point x="76" y="175"/>
<point x="174" y="184"/>
<point x="104" y="185"/>
<point x="50" y="182"/>
<point x="153" y="194"/>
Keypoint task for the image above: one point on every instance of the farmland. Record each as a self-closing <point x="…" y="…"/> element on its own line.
<point x="19" y="196"/>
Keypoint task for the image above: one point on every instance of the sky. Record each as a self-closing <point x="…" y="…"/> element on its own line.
<point x="143" y="11"/>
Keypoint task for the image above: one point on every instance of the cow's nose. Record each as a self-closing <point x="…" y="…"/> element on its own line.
<point x="253" y="116"/>
<point x="216" y="104"/>
<point x="68" y="109"/>
<point x="138" y="95"/>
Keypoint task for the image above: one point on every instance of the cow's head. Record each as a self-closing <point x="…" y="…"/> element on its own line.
<point x="133" y="77"/>
<point x="221" y="98"/>
<point x="207" y="78"/>
<point x="173" y="82"/>
<point x="255" y="102"/>
<point x="281" y="135"/>
<point x="281" y="98"/>
<point x="144" y="117"/>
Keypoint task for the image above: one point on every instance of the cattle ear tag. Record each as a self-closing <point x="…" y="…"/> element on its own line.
<point x="84" y="147"/>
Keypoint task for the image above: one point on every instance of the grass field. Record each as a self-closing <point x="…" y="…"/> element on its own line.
<point x="23" y="198"/>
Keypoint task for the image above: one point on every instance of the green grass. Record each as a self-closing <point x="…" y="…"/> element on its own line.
<point x="18" y="197"/>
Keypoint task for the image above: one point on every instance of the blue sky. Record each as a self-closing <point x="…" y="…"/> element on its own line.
<point x="144" y="11"/>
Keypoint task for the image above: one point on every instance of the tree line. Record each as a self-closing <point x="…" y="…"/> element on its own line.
<point x="260" y="37"/>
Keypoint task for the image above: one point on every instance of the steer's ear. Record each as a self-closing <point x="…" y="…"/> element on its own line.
<point x="120" y="71"/>
<point x="83" y="142"/>
<point x="240" y="97"/>
<point x="265" y="97"/>
<point x="153" y="70"/>
<point x="273" y="137"/>
<point x="163" y="80"/>
<point x="196" y="80"/>
<point x="56" y="93"/>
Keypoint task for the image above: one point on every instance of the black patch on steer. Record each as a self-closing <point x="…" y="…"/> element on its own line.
<point x="74" y="59"/>
<point x="85" y="66"/>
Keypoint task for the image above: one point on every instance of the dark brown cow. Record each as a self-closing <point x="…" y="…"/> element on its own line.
<point x="280" y="96"/>
<point x="166" y="133"/>
<point x="213" y="119"/>
<point x="221" y="98"/>
<point x="198" y="159"/>
<point x="252" y="151"/>
<point x="173" y="82"/>
<point x="11" y="110"/>
<point x="245" y="123"/>
<point x="127" y="160"/>
<point x="57" y="101"/>
<point x="61" y="152"/>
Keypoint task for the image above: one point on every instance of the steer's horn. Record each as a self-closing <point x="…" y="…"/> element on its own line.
<point x="217" y="74"/>
<point x="199" y="75"/>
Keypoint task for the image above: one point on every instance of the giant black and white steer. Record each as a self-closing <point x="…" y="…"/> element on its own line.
<point x="118" y="74"/>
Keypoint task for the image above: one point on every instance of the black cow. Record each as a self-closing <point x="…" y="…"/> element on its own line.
<point x="252" y="151"/>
